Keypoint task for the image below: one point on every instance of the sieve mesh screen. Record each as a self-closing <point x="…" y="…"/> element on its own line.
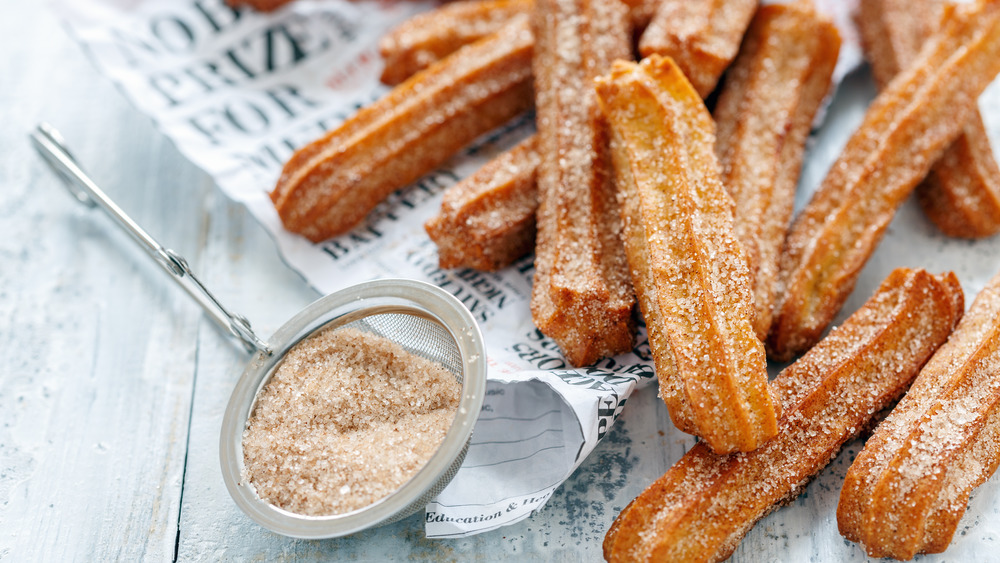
<point x="418" y="335"/>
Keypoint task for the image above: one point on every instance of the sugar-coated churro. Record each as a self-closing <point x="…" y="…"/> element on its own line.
<point x="259" y="5"/>
<point x="328" y="186"/>
<point x="581" y="296"/>
<point x="702" y="36"/>
<point x="704" y="505"/>
<point x="961" y="194"/>
<point x="641" y="12"/>
<point x="908" y="488"/>
<point x="763" y="116"/>
<point x="430" y="36"/>
<point x="893" y="31"/>
<point x="488" y="219"/>
<point x="688" y="269"/>
<point x="906" y="128"/>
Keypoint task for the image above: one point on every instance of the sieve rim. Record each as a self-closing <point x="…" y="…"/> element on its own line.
<point x="396" y="295"/>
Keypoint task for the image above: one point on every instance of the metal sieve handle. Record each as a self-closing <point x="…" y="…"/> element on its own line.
<point x="52" y="147"/>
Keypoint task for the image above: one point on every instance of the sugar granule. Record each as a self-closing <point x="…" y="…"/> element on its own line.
<point x="346" y="419"/>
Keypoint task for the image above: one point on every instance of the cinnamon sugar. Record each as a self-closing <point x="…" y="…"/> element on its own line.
<point x="347" y="418"/>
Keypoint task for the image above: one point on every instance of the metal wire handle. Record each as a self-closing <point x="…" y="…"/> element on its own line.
<point x="52" y="147"/>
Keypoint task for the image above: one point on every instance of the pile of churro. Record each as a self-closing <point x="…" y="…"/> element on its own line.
<point x="636" y="199"/>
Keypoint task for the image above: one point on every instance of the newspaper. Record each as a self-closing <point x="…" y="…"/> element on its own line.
<point x="239" y="91"/>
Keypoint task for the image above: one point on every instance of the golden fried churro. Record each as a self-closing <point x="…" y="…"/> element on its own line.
<point x="428" y="37"/>
<point x="688" y="269"/>
<point x="704" y="505"/>
<point x="259" y="5"/>
<point x="908" y="488"/>
<point x="488" y="219"/>
<point x="327" y="187"/>
<point x="893" y="31"/>
<point x="763" y="117"/>
<point x="904" y="131"/>
<point x="702" y="36"/>
<point x="581" y="296"/>
<point x="961" y="195"/>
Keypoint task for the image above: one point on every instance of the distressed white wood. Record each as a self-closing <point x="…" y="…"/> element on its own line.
<point x="99" y="353"/>
<point x="113" y="385"/>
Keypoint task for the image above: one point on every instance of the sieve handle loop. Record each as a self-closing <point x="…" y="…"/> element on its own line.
<point x="52" y="147"/>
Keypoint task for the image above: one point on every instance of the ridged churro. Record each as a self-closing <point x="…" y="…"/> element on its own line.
<point x="328" y="186"/>
<point x="702" y="36"/>
<point x="259" y="5"/>
<point x="908" y="488"/>
<point x="961" y="195"/>
<point x="430" y="36"/>
<point x="704" y="505"/>
<point x="488" y="219"/>
<point x="688" y="269"/>
<point x="581" y="296"/>
<point x="641" y="12"/>
<point x="763" y="116"/>
<point x="893" y="31"/>
<point x="905" y="130"/>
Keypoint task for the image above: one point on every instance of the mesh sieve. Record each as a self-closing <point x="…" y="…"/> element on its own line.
<point x="422" y="318"/>
<point x="430" y="340"/>
<point x="425" y="321"/>
<point x="419" y="336"/>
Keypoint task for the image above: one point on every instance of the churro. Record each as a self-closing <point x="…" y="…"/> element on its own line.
<point x="430" y="36"/>
<point x="688" y="269"/>
<point x="259" y="5"/>
<point x="328" y="186"/>
<point x="704" y="505"/>
<point x="763" y="116"/>
<point x="961" y="194"/>
<point x="641" y="13"/>
<point x="892" y="33"/>
<point x="427" y="37"/>
<point x="581" y="296"/>
<point x="702" y="36"/>
<point x="905" y="130"/>
<point x="908" y="488"/>
<point x="488" y="219"/>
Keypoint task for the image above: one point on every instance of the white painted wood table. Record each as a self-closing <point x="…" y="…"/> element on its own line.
<point x="113" y="384"/>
